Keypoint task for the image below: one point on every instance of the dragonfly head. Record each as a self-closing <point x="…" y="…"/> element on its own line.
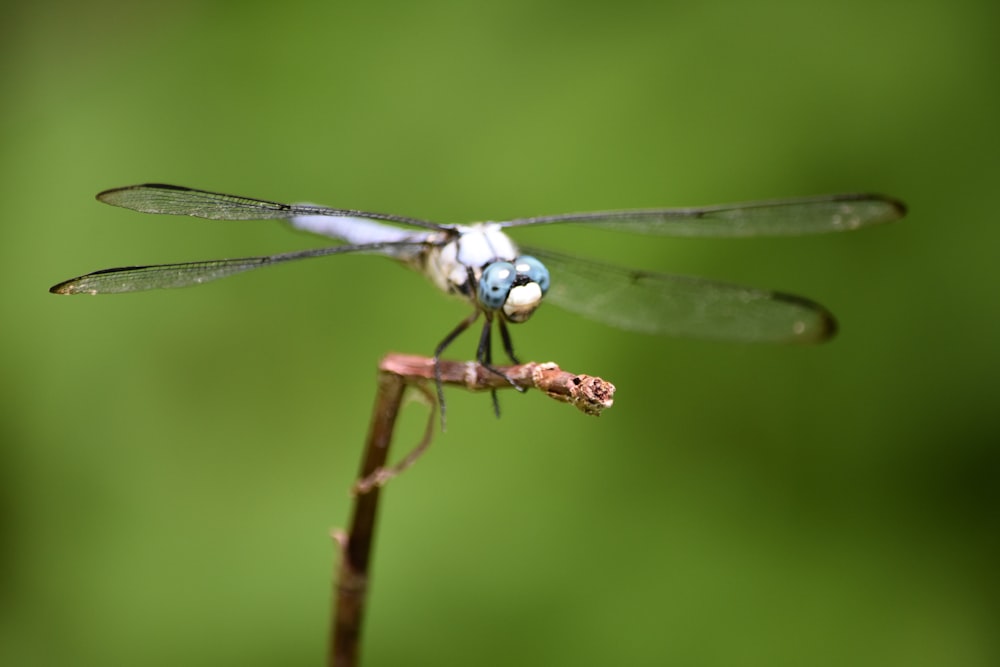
<point x="514" y="289"/>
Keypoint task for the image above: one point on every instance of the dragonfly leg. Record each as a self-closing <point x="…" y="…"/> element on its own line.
<point x="508" y="346"/>
<point x="484" y="355"/>
<point x="462" y="326"/>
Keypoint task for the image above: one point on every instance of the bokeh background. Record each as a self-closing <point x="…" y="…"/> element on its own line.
<point x="173" y="462"/>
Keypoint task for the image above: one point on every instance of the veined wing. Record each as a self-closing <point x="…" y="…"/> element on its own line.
<point x="177" y="200"/>
<point x="780" y="217"/>
<point x="158" y="276"/>
<point x="657" y="303"/>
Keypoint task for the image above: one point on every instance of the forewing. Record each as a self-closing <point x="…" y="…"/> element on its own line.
<point x="177" y="200"/>
<point x="785" y="217"/>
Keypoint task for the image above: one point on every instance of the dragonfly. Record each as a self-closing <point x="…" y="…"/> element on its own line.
<point x="505" y="284"/>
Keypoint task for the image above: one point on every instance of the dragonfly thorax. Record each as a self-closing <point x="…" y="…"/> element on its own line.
<point x="482" y="263"/>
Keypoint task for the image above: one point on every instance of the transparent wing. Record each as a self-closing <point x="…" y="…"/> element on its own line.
<point x="783" y="217"/>
<point x="177" y="200"/>
<point x="657" y="303"/>
<point x="158" y="276"/>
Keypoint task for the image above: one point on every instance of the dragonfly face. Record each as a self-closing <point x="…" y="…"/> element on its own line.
<point x="481" y="263"/>
<point x="514" y="288"/>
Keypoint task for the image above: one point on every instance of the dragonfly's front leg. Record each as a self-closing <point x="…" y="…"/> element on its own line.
<point x="508" y="346"/>
<point x="462" y="326"/>
<point x="484" y="355"/>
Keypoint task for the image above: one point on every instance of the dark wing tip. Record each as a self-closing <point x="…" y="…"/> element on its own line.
<point x="65" y="287"/>
<point x="108" y="196"/>
<point x="827" y="328"/>
<point x="899" y="208"/>
<point x="815" y="325"/>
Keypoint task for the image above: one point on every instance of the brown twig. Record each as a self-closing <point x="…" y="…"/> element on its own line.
<point x="589" y="394"/>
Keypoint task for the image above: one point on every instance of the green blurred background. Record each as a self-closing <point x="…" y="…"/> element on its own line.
<point x="173" y="461"/>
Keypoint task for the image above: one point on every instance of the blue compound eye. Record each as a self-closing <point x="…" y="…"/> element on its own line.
<point x="535" y="270"/>
<point x="495" y="284"/>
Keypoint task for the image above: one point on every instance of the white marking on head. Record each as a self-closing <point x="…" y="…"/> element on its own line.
<point x="522" y="302"/>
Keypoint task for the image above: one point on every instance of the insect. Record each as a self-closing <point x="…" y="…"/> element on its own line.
<point x="481" y="263"/>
